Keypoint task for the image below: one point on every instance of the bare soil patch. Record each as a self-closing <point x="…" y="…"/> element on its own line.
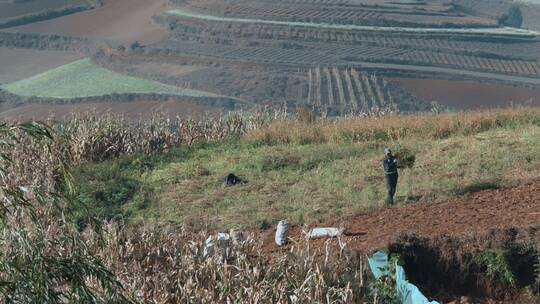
<point x="475" y="212"/>
<point x="166" y="69"/>
<point x="469" y="95"/>
<point x="19" y="64"/>
<point x="124" y="21"/>
<point x="10" y="10"/>
<point x="132" y="110"/>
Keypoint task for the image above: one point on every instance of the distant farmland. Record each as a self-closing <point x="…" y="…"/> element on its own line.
<point x="495" y="31"/>
<point x="122" y="21"/>
<point x="84" y="79"/>
<point x="18" y="64"/>
<point x="469" y="95"/>
<point x="11" y="10"/>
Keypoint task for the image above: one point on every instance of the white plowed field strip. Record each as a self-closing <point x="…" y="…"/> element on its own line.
<point x="507" y="31"/>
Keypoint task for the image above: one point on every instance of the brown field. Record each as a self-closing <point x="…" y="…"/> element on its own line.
<point x="166" y="69"/>
<point x="473" y="212"/>
<point x="366" y="12"/>
<point x="18" y="64"/>
<point x="131" y="110"/>
<point x="10" y="10"/>
<point x="123" y="21"/>
<point x="467" y="95"/>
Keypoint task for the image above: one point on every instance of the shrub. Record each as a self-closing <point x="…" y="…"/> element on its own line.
<point x="513" y="18"/>
<point x="497" y="267"/>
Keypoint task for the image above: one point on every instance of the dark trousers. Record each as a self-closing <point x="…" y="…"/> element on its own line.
<point x="391" y="184"/>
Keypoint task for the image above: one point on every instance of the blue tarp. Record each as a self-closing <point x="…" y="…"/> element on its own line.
<point x="407" y="293"/>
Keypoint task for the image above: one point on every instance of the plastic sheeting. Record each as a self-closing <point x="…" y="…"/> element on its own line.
<point x="222" y="239"/>
<point x="407" y="293"/>
<point x="323" y="232"/>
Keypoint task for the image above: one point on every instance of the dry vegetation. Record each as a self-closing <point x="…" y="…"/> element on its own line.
<point x="427" y="126"/>
<point x="164" y="263"/>
<point x="86" y="137"/>
<point x="45" y="259"/>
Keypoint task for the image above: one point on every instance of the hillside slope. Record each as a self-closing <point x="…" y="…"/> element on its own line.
<point x="316" y="173"/>
<point x="477" y="212"/>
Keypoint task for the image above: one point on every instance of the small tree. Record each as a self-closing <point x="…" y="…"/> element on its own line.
<point x="513" y="18"/>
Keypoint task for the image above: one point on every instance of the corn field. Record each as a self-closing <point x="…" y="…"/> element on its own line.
<point x="45" y="259"/>
<point x="89" y="137"/>
<point x="164" y="264"/>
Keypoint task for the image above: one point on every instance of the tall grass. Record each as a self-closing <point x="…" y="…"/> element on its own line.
<point x="396" y="127"/>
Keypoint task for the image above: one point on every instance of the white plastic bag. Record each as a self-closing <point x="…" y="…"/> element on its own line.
<point x="324" y="232"/>
<point x="282" y="232"/>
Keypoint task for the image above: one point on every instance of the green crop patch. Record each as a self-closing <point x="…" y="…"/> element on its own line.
<point x="84" y="79"/>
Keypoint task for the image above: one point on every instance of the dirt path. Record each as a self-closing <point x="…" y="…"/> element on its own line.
<point x="474" y="212"/>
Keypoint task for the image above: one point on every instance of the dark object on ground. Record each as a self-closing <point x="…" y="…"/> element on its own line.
<point x="232" y="180"/>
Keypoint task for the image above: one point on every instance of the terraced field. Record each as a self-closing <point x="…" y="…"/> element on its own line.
<point x="335" y="56"/>
<point x="348" y="90"/>
<point x="470" y="95"/>
<point x="499" y="51"/>
<point x="18" y="64"/>
<point x="381" y="13"/>
<point x="16" y="12"/>
<point x="530" y="9"/>
<point x="10" y="9"/>
<point x="117" y="21"/>
<point x="84" y="79"/>
<point x="335" y="26"/>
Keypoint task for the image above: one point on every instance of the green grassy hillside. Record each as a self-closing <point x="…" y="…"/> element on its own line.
<point x="316" y="172"/>
<point x="84" y="79"/>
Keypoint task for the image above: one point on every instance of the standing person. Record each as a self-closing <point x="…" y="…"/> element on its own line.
<point x="391" y="174"/>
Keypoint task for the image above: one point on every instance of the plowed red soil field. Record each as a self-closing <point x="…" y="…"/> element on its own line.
<point x="474" y="212"/>
<point x="468" y="95"/>
<point x="18" y="64"/>
<point x="123" y="21"/>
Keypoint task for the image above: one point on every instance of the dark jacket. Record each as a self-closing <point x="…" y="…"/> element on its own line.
<point x="390" y="165"/>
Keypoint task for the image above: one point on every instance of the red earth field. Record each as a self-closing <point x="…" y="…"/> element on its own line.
<point x="123" y="21"/>
<point x="20" y="63"/>
<point x="467" y="95"/>
<point x="9" y="10"/>
<point x="475" y="212"/>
